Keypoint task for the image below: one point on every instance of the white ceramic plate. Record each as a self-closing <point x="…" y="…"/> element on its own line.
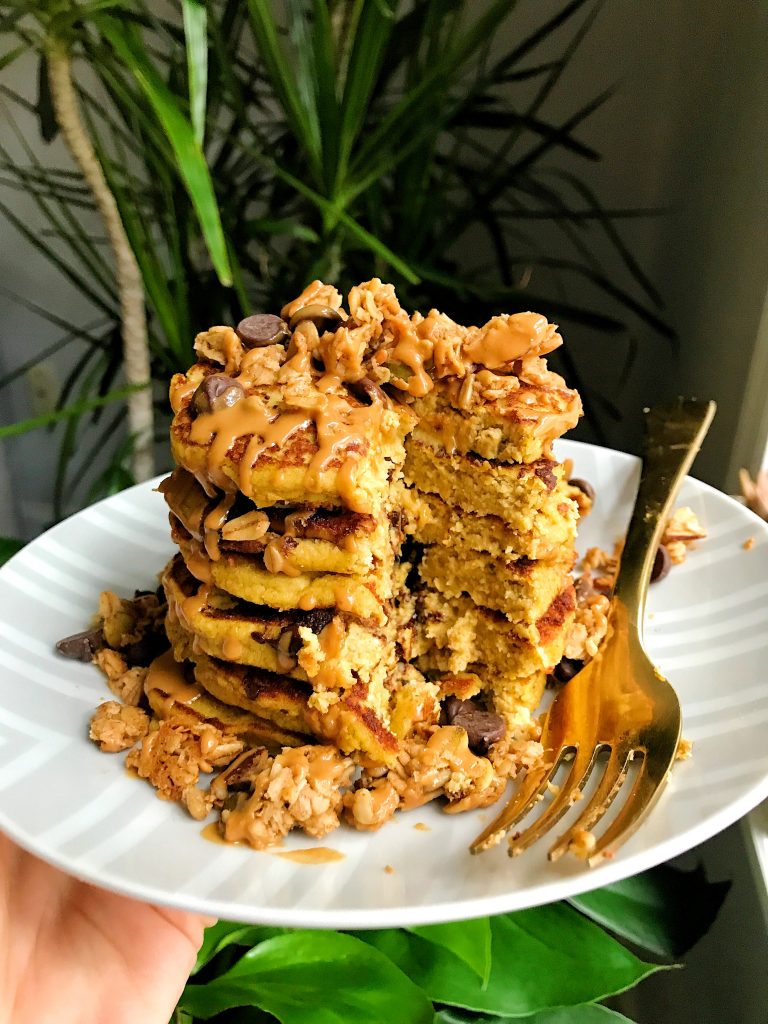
<point x="78" y="808"/>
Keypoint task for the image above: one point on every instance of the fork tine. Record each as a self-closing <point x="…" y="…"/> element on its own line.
<point x="601" y="800"/>
<point x="581" y="768"/>
<point x="643" y="795"/>
<point x="534" y="783"/>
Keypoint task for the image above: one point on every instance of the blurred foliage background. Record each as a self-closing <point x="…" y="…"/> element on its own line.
<point x="252" y="146"/>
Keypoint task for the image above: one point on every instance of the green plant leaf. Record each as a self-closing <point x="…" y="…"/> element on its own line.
<point x="8" y="547"/>
<point x="333" y="212"/>
<point x="301" y="116"/>
<point x="76" y="409"/>
<point x="664" y="910"/>
<point x="191" y="161"/>
<point x="9" y="57"/>
<point x="314" y="977"/>
<point x="533" y="969"/>
<point x="229" y="933"/>
<point x="195" y="34"/>
<point x="587" y="1013"/>
<point x="468" y="940"/>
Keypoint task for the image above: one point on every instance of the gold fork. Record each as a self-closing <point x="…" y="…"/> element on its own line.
<point x="619" y="703"/>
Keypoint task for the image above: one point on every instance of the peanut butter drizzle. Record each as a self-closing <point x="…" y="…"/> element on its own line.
<point x="447" y="744"/>
<point x="167" y="677"/>
<point x="197" y="563"/>
<point x="231" y="648"/>
<point x="503" y="340"/>
<point x="344" y="597"/>
<point x="180" y="390"/>
<point x="314" y="855"/>
<point x="332" y="637"/>
<point x="213" y="522"/>
<point x="412" y="351"/>
<point x="212" y="832"/>
<point x="276" y="560"/>
<point x="192" y="606"/>
<point x="307" y="602"/>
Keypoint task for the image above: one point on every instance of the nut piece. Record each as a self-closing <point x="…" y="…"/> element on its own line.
<point x="262" y="329"/>
<point x="217" y="392"/>
<point x="323" y="317"/>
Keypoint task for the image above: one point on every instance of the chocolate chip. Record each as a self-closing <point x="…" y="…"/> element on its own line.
<point x="483" y="728"/>
<point x="81" y="646"/>
<point x="262" y="329"/>
<point x="366" y="389"/>
<point x="323" y="317"/>
<point x="566" y="669"/>
<point x="584" y="486"/>
<point x="144" y="651"/>
<point x="543" y="470"/>
<point x="662" y="563"/>
<point x="217" y="392"/>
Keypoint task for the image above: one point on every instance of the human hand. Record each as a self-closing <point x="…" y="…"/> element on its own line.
<point x="74" y="954"/>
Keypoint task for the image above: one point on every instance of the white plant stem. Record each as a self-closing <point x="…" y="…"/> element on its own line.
<point x="129" y="282"/>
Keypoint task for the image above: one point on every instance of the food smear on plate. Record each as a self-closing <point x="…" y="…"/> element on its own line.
<point x="373" y="582"/>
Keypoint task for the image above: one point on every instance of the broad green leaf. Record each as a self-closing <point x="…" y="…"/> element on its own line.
<point x="315" y="977"/>
<point x="195" y="34"/>
<point x="587" y="1013"/>
<point x="11" y="55"/>
<point x="77" y="409"/>
<point x="229" y="933"/>
<point x="665" y="910"/>
<point x="542" y="959"/>
<point x="8" y="547"/>
<point x="468" y="940"/>
<point x="191" y="161"/>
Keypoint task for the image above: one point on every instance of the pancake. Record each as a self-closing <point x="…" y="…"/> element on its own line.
<point x="314" y="539"/>
<point x="515" y="421"/>
<point x="252" y="729"/>
<point x="431" y="521"/>
<point x="331" y="648"/>
<point x="451" y="636"/>
<point x="519" y="494"/>
<point x="289" y="462"/>
<point x="353" y="721"/>
<point x="520" y="588"/>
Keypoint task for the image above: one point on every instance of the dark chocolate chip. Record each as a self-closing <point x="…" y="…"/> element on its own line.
<point x="262" y="329"/>
<point x="483" y="728"/>
<point x="584" y="486"/>
<point x="81" y="646"/>
<point x="366" y="389"/>
<point x="323" y="317"/>
<point x="566" y="669"/>
<point x="217" y="392"/>
<point x="662" y="563"/>
<point x="144" y="651"/>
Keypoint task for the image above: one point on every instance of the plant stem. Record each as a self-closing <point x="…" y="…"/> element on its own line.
<point x="130" y="285"/>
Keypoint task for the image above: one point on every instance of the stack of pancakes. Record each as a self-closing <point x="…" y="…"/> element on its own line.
<point x="291" y="595"/>
<point x="490" y="508"/>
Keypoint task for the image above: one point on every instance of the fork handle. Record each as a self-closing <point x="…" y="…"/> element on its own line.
<point x="674" y="433"/>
